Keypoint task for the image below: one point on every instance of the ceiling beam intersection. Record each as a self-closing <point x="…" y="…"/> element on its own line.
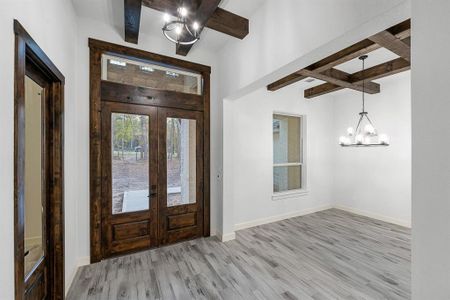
<point x="342" y="79"/>
<point x="401" y="32"/>
<point x="389" y="68"/>
<point x="387" y="40"/>
<point x="201" y="16"/>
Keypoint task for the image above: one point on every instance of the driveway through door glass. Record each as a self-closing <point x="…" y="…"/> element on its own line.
<point x="129" y="155"/>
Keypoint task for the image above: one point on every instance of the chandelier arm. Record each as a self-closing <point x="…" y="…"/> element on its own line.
<point x="368" y="119"/>
<point x="359" y="123"/>
<point x="169" y="27"/>
<point x="190" y="32"/>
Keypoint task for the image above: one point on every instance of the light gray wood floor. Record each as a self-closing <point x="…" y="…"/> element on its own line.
<point x="327" y="255"/>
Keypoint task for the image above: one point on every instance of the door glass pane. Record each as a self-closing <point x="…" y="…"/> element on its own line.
<point x="181" y="161"/>
<point x="287" y="178"/>
<point x="130" y="162"/>
<point x="34" y="231"/>
<point x="151" y="75"/>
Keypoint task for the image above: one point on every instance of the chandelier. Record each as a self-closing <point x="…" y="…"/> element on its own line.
<point x="178" y="31"/>
<point x="365" y="134"/>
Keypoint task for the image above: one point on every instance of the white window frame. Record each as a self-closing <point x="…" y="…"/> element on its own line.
<point x="303" y="139"/>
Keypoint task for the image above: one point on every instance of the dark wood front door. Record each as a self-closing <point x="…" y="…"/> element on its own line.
<point x="180" y="174"/>
<point x="129" y="156"/>
<point x="152" y="165"/>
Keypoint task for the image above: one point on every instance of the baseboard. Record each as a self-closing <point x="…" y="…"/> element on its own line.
<point x="371" y="215"/>
<point x="281" y="217"/>
<point x="35" y="240"/>
<point x="226" y="237"/>
<point x="81" y="261"/>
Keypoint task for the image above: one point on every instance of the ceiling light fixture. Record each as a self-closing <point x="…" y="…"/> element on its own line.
<point x="178" y="30"/>
<point x="365" y="134"/>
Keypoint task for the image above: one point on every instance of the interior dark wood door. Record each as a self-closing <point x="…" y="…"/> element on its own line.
<point x="129" y="169"/>
<point x="180" y="175"/>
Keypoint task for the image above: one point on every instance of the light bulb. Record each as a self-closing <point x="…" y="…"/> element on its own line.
<point x="367" y="140"/>
<point x="368" y="129"/>
<point x="384" y="139"/>
<point x="166" y="18"/>
<point x="359" y="139"/>
<point x="178" y="30"/>
<point x="342" y="140"/>
<point x="183" y="11"/>
<point x="195" y="26"/>
<point x="350" y="131"/>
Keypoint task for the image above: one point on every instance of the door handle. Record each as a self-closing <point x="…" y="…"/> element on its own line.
<point x="153" y="191"/>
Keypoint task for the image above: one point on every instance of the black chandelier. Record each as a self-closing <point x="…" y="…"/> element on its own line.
<point x="365" y="134"/>
<point x="177" y="29"/>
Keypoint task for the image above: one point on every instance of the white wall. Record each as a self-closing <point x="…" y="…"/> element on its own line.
<point x="52" y="24"/>
<point x="250" y="133"/>
<point x="283" y="31"/>
<point x="101" y="29"/>
<point x="371" y="181"/>
<point x="431" y="148"/>
<point x="376" y="181"/>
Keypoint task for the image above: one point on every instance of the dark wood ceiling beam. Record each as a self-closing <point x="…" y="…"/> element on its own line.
<point x="285" y="81"/>
<point x="401" y="31"/>
<point x="389" y="68"/>
<point x="229" y="23"/>
<point x="342" y="79"/>
<point x="132" y="10"/>
<point x="387" y="40"/>
<point x="202" y="15"/>
<point x="221" y="20"/>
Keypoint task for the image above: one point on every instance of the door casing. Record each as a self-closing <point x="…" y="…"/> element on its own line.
<point x="29" y="57"/>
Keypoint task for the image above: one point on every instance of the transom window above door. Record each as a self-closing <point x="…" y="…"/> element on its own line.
<point x="288" y="165"/>
<point x="150" y="75"/>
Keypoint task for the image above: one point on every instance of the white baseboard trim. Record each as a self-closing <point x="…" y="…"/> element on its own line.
<point x="81" y="261"/>
<point x="375" y="216"/>
<point x="35" y="240"/>
<point x="281" y="217"/>
<point x="226" y="237"/>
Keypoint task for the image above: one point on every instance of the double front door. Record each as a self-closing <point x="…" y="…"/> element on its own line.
<point x="152" y="170"/>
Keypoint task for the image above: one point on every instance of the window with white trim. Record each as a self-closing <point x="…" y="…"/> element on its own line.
<point x="288" y="167"/>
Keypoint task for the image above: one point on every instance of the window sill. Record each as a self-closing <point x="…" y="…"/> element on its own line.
<point x="289" y="194"/>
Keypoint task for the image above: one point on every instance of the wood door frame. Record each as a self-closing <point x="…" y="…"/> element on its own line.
<point x="28" y="52"/>
<point x="138" y="96"/>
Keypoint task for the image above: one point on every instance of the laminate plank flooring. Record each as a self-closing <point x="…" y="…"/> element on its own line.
<point x="326" y="255"/>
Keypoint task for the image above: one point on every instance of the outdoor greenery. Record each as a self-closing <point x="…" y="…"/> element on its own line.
<point x="173" y="137"/>
<point x="130" y="134"/>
